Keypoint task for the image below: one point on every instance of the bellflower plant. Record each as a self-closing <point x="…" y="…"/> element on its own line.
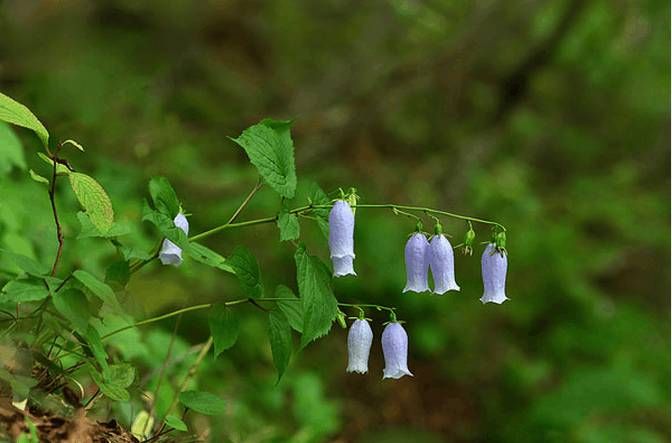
<point x="360" y="338"/>
<point x="493" y="268"/>
<point x="442" y="263"/>
<point x="395" y="351"/>
<point x="341" y="238"/>
<point x="170" y="253"/>
<point x="417" y="264"/>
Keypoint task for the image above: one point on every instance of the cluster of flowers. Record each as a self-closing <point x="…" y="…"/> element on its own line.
<point x="422" y="256"/>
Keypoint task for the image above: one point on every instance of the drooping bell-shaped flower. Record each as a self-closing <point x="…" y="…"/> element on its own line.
<point x="341" y="238"/>
<point x="417" y="265"/>
<point x="442" y="264"/>
<point x="170" y="253"/>
<point x="493" y="267"/>
<point x="395" y="351"/>
<point x="360" y="338"/>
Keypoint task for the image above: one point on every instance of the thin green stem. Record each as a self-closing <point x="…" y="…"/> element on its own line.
<point x="367" y="305"/>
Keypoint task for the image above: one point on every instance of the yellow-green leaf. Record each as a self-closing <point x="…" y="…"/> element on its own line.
<point x="14" y="112"/>
<point x="93" y="199"/>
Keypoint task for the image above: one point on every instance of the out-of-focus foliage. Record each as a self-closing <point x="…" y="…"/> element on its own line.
<point x="551" y="117"/>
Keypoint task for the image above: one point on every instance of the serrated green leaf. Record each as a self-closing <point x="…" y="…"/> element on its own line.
<point x="97" y="288"/>
<point x="208" y="257"/>
<point x="11" y="151"/>
<point x="269" y="146"/>
<point x="112" y="391"/>
<point x="224" y="327"/>
<point x="318" y="301"/>
<point x="203" y="402"/>
<point x="176" y="423"/>
<point x="247" y="270"/>
<point x="280" y="336"/>
<point x="26" y="264"/>
<point x="72" y="304"/>
<point x="121" y="374"/>
<point x="289" y="225"/>
<point x="20" y="291"/>
<point x="37" y="177"/>
<point x="14" y="112"/>
<point x="93" y="199"/>
<point x="164" y="197"/>
<point x="88" y="229"/>
<point x="166" y="226"/>
<point x="292" y="309"/>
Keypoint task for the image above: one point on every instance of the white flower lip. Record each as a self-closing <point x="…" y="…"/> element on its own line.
<point x="395" y="351"/>
<point x="494" y="265"/>
<point x="442" y="264"/>
<point x="170" y="253"/>
<point x="417" y="264"/>
<point x="341" y="238"/>
<point x="360" y="338"/>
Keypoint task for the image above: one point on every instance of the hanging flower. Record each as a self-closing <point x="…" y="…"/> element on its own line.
<point x="170" y="253"/>
<point x="360" y="338"/>
<point x="442" y="264"/>
<point x="341" y="238"/>
<point x="395" y="351"/>
<point x="417" y="265"/>
<point x="493" y="267"/>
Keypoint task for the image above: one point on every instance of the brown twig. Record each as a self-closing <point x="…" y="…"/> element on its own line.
<point x="52" y="199"/>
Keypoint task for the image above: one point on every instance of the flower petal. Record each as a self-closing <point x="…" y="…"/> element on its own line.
<point x="493" y="267"/>
<point x="360" y="338"/>
<point x="343" y="266"/>
<point x="417" y="265"/>
<point x="395" y="351"/>
<point x="442" y="265"/>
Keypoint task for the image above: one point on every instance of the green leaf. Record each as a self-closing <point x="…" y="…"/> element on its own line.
<point x="224" y="327"/>
<point x="111" y="390"/>
<point x="318" y="301"/>
<point x="19" y="291"/>
<point x="93" y="199"/>
<point x="289" y="225"/>
<point x="280" y="335"/>
<point x="269" y="146"/>
<point x="176" y="423"/>
<point x="97" y="288"/>
<point x="11" y="151"/>
<point x="164" y="197"/>
<point x="166" y="226"/>
<point x="203" y="402"/>
<point x="247" y="270"/>
<point x="37" y="177"/>
<point x="208" y="257"/>
<point x="60" y="168"/>
<point x="291" y="309"/>
<point x="318" y="197"/>
<point x="26" y="264"/>
<point x="73" y="143"/>
<point x="118" y="274"/>
<point x="95" y="346"/>
<point x="14" y="112"/>
<point x="73" y="305"/>
<point x="121" y="374"/>
<point x="88" y="229"/>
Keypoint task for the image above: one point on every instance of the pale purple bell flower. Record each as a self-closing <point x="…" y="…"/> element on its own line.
<point x="170" y="253"/>
<point x="442" y="264"/>
<point x="493" y="268"/>
<point x="417" y="265"/>
<point x="341" y="238"/>
<point x="360" y="338"/>
<point x="395" y="351"/>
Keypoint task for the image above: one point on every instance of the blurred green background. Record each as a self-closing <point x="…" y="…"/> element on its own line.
<point x="550" y="116"/>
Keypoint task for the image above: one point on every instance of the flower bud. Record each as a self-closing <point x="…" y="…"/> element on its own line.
<point x="493" y="267"/>
<point x="469" y="238"/>
<point x="360" y="338"/>
<point x="341" y="238"/>
<point x="395" y="351"/>
<point x="170" y="253"/>
<point x="417" y="265"/>
<point x="442" y="264"/>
